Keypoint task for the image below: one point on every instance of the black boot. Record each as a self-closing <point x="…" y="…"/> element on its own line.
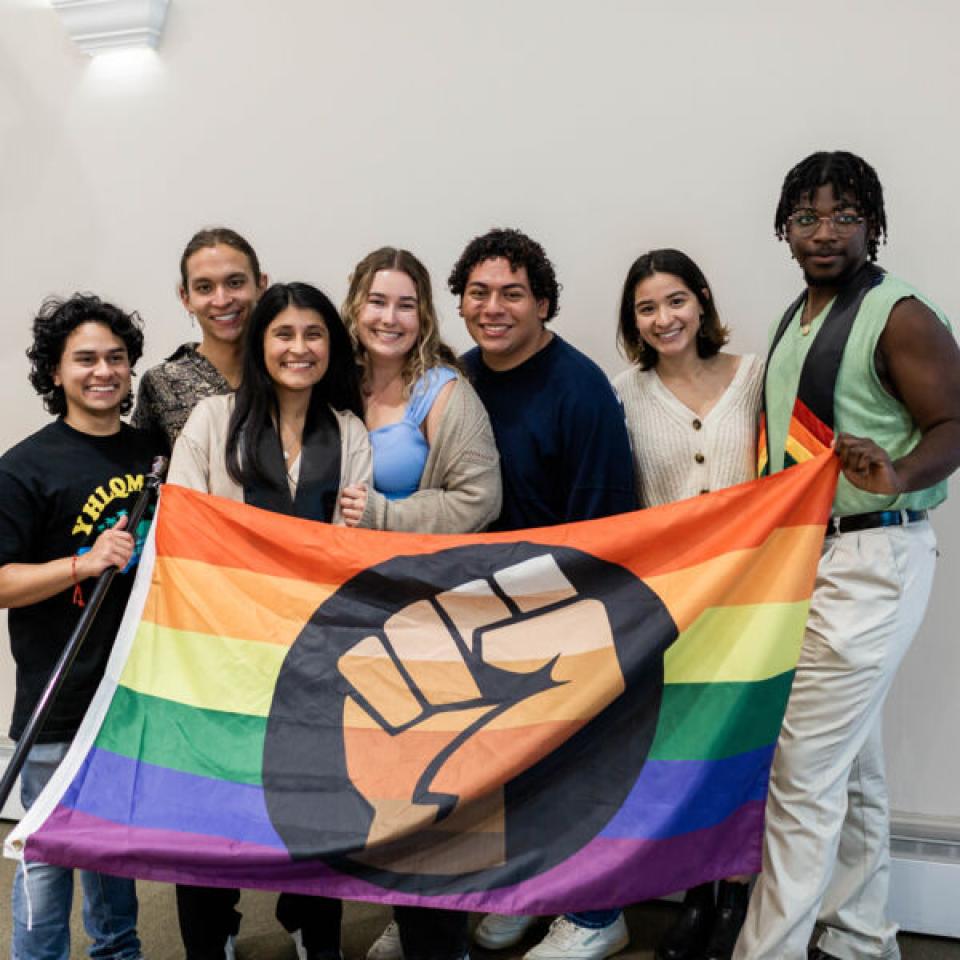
<point x="686" y="939"/>
<point x="732" y="900"/>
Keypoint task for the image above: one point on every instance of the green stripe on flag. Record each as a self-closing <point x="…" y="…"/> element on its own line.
<point x="708" y="721"/>
<point x="209" y="743"/>
<point x="698" y="721"/>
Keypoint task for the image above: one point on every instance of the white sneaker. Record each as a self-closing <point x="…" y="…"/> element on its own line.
<point x="297" y="936"/>
<point x="387" y="946"/>
<point x="566" y="940"/>
<point x="230" y="948"/>
<point x="497" y="931"/>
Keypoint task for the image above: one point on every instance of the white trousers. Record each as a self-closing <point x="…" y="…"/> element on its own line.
<point x="826" y="849"/>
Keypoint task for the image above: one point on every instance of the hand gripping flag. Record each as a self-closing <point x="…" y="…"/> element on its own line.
<point x="570" y="717"/>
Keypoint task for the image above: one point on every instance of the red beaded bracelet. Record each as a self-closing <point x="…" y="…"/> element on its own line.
<point x="77" y="591"/>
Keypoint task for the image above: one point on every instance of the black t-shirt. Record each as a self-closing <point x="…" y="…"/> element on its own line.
<point x="59" y="490"/>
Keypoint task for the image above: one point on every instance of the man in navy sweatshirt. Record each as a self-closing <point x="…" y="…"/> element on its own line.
<point x="564" y="455"/>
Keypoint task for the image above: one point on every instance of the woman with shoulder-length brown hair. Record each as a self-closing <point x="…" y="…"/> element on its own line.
<point x="691" y="410"/>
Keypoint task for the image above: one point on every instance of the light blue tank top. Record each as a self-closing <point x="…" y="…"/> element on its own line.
<point x="400" y="449"/>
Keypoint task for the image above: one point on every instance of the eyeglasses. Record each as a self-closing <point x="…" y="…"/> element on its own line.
<point x="806" y="224"/>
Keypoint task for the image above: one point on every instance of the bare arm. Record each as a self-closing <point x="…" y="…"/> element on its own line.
<point x="435" y="415"/>
<point x="922" y="363"/>
<point x="22" y="584"/>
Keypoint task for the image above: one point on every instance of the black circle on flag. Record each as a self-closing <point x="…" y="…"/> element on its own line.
<point x="458" y="720"/>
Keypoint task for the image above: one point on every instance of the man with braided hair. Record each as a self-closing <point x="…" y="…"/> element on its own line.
<point x="862" y="359"/>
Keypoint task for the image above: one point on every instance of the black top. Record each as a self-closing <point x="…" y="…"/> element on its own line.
<point x="59" y="490"/>
<point x="564" y="450"/>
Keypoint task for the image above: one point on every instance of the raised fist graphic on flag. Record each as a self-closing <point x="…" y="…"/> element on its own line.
<point x="444" y="715"/>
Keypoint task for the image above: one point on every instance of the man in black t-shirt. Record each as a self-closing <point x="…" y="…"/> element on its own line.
<point x="65" y="496"/>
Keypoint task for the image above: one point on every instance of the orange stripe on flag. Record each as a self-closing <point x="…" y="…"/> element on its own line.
<point x="768" y="574"/>
<point x="198" y="597"/>
<point x="224" y="533"/>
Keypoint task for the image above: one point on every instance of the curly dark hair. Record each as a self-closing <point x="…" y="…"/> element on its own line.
<point x="55" y="322"/>
<point x="712" y="334"/>
<point x="849" y="175"/>
<point x="520" y="251"/>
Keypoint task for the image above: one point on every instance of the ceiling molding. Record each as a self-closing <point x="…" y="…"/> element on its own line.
<point x="99" y="26"/>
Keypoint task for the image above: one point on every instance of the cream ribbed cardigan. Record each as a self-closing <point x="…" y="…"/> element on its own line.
<point x="678" y="454"/>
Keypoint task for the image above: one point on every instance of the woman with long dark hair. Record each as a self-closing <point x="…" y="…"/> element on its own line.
<point x="294" y="416"/>
<point x="288" y="441"/>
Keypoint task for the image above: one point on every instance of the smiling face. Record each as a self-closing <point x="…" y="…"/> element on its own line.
<point x="388" y="322"/>
<point x="502" y="315"/>
<point x="667" y="314"/>
<point x="828" y="257"/>
<point x="221" y="292"/>
<point x="94" y="372"/>
<point x="296" y="349"/>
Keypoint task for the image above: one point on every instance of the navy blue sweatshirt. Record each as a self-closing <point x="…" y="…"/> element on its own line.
<point x="564" y="451"/>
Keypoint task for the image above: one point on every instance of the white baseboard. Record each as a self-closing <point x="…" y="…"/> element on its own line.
<point x="12" y="809"/>
<point x="924" y="897"/>
<point x="925" y="874"/>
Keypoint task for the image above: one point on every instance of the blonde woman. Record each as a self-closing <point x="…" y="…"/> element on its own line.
<point x="435" y="470"/>
<point x="435" y="463"/>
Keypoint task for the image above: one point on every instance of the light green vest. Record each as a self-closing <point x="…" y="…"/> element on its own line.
<point x="862" y="406"/>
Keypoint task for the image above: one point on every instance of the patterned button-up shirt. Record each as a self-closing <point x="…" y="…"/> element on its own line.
<point x="169" y="392"/>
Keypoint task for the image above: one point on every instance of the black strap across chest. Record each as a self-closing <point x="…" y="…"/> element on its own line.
<point x="821" y="366"/>
<point x="318" y="485"/>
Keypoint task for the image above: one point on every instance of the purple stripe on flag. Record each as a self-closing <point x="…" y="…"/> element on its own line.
<point x="605" y="873"/>
<point x="670" y="797"/>
<point x="138" y="794"/>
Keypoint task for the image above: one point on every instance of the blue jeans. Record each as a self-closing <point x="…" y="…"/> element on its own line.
<point x="594" y="919"/>
<point x="109" y="903"/>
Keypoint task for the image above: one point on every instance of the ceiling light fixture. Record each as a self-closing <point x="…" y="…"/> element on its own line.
<point x="101" y="26"/>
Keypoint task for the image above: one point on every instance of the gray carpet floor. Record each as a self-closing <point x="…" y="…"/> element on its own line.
<point x="262" y="938"/>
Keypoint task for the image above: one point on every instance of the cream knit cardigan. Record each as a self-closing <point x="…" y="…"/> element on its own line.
<point x="678" y="454"/>
<point x="199" y="455"/>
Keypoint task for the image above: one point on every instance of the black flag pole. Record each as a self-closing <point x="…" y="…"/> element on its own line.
<point x="59" y="675"/>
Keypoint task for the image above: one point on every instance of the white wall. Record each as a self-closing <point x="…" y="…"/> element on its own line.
<point x="323" y="129"/>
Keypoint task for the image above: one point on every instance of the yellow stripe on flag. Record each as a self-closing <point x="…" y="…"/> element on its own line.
<point x="798" y="451"/>
<point x="738" y="644"/>
<point x="214" y="673"/>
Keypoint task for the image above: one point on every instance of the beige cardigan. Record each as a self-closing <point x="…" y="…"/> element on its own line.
<point x="460" y="488"/>
<point x="199" y="455"/>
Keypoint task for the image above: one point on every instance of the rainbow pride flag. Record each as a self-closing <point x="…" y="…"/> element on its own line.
<point x="570" y="717"/>
<point x="807" y="437"/>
